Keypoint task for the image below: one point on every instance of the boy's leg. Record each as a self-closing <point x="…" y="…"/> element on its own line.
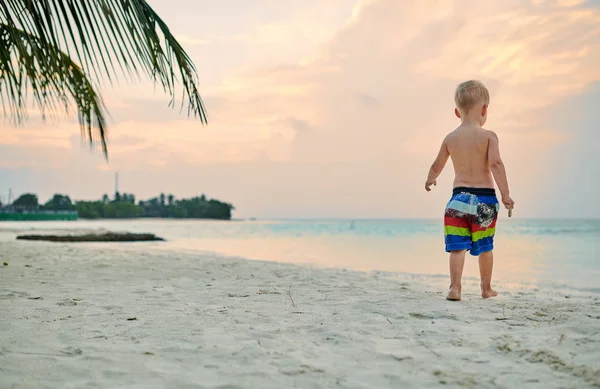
<point x="486" y="264"/>
<point x="457" y="235"/>
<point x="457" y="263"/>
<point x="484" y="230"/>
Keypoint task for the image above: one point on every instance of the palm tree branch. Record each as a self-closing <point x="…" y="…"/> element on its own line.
<point x="27" y="63"/>
<point x="138" y="40"/>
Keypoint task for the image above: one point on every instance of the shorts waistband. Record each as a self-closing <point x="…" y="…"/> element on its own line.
<point x="474" y="191"/>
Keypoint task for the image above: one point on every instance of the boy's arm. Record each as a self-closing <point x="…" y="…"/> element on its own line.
<point x="498" y="170"/>
<point x="437" y="166"/>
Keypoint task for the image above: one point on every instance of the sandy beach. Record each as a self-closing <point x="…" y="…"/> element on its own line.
<point x="130" y="316"/>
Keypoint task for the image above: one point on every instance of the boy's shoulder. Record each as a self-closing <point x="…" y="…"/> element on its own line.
<point x="489" y="133"/>
<point x="480" y="130"/>
<point x="459" y="135"/>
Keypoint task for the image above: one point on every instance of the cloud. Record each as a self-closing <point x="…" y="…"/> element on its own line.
<point x="408" y="58"/>
<point x="570" y="3"/>
<point x="405" y="58"/>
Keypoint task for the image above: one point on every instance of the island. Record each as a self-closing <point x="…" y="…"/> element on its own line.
<point x="120" y="206"/>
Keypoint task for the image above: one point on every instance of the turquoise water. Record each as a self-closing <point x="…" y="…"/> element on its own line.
<point x="534" y="253"/>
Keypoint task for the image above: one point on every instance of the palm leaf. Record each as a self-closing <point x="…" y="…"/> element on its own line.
<point x="52" y="76"/>
<point x="102" y="36"/>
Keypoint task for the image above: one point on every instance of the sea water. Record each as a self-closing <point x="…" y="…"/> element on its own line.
<point x="540" y="253"/>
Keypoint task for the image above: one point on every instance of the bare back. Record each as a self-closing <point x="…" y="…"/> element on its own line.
<point x="468" y="149"/>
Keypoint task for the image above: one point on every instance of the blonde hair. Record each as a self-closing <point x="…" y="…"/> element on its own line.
<point x="471" y="93"/>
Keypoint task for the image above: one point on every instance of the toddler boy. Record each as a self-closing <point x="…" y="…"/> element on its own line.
<point x="471" y="214"/>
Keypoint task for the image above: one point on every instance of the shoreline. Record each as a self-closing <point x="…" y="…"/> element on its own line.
<point x="439" y="280"/>
<point x="97" y="316"/>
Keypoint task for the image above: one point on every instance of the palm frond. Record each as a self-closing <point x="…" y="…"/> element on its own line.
<point x="103" y="36"/>
<point x="52" y="76"/>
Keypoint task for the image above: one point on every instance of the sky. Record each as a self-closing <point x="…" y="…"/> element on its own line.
<point x="336" y="109"/>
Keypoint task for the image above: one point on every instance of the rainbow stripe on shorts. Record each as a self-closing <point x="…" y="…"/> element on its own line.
<point x="470" y="220"/>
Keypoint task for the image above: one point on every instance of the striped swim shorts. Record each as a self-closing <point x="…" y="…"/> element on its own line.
<point x="470" y="220"/>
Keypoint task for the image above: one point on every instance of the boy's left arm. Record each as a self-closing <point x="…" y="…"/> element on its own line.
<point x="437" y="166"/>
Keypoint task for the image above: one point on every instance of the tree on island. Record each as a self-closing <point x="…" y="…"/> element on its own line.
<point x="26" y="201"/>
<point x="61" y="51"/>
<point x="59" y="202"/>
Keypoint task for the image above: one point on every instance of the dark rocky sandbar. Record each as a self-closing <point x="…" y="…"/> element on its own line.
<point x="102" y="237"/>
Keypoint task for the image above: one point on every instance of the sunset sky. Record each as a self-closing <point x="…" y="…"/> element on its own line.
<point x="336" y="108"/>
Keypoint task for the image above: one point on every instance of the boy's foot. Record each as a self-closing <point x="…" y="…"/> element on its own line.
<point x="453" y="294"/>
<point x="488" y="292"/>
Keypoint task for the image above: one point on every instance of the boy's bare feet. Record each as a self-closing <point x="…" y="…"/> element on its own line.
<point x="487" y="292"/>
<point x="453" y="294"/>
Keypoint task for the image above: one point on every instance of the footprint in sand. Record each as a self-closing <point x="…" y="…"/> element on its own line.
<point x="71" y="351"/>
<point x="66" y="302"/>
<point x="435" y="316"/>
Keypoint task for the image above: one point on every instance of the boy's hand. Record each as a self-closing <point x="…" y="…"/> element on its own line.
<point x="428" y="185"/>
<point x="508" y="202"/>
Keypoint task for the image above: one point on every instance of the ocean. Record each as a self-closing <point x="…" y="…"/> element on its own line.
<point x="540" y="253"/>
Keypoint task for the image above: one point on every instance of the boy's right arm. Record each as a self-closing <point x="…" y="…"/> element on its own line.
<point x="498" y="170"/>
